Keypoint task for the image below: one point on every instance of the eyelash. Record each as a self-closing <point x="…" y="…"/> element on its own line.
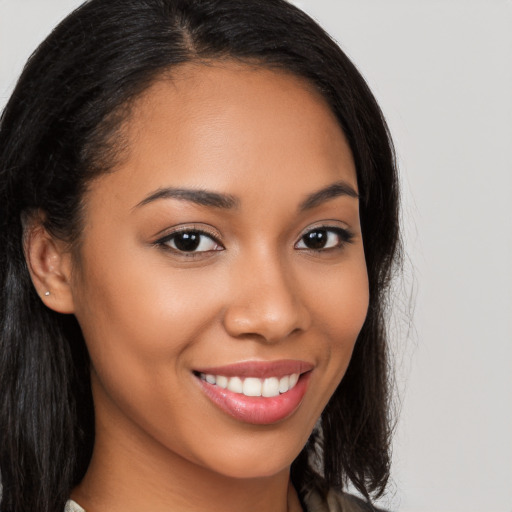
<point x="165" y="241"/>
<point x="344" y="235"/>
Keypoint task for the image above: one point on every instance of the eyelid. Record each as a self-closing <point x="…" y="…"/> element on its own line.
<point x="204" y="229"/>
<point x="326" y="224"/>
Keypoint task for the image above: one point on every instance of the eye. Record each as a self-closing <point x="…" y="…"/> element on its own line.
<point x="323" y="238"/>
<point x="190" y="241"/>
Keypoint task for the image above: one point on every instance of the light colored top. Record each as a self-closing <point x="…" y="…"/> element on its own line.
<point x="71" y="506"/>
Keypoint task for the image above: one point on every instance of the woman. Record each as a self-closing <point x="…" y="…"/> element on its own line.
<point x="186" y="187"/>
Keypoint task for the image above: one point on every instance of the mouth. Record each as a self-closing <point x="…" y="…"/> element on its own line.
<point x="257" y="392"/>
<point x="252" y="386"/>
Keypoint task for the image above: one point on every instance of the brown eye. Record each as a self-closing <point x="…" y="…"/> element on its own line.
<point x="316" y="239"/>
<point x="187" y="241"/>
<point x="190" y="241"/>
<point x="322" y="238"/>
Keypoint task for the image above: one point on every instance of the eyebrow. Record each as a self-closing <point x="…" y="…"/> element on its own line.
<point x="198" y="196"/>
<point x="228" y="202"/>
<point x="338" y="189"/>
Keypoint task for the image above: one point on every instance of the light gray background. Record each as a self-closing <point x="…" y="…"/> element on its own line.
<point x="442" y="71"/>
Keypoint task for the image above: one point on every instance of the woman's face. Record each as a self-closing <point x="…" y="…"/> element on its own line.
<point x="222" y="258"/>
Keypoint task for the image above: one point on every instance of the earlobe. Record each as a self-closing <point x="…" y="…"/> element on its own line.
<point x="49" y="263"/>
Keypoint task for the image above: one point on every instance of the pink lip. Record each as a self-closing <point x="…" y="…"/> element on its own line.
<point x="259" y="369"/>
<point x="258" y="410"/>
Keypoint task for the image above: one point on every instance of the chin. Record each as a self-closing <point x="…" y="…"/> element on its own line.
<point x="250" y="469"/>
<point x="262" y="459"/>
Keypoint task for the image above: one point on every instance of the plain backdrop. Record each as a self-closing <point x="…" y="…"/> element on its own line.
<point x="442" y="72"/>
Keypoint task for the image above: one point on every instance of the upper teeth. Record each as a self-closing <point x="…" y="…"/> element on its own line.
<point x="251" y="386"/>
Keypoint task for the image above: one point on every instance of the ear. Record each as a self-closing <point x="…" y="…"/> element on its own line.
<point x="49" y="262"/>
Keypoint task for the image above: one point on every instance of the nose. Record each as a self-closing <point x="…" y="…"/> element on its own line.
<point x="265" y="302"/>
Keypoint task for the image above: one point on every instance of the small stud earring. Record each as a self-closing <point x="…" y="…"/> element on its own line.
<point x="47" y="293"/>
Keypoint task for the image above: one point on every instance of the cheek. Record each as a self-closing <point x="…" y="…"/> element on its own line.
<point x="341" y="303"/>
<point x="340" y="309"/>
<point x="139" y="324"/>
<point x="125" y="302"/>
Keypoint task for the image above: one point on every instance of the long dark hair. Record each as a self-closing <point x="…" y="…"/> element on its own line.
<point x="58" y="131"/>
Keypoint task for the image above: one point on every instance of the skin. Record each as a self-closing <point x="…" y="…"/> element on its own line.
<point x="151" y="315"/>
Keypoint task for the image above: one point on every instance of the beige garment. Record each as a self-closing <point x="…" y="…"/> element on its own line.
<point x="71" y="506"/>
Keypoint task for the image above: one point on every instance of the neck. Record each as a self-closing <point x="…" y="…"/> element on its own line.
<point x="129" y="473"/>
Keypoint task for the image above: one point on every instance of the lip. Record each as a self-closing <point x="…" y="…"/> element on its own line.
<point x="259" y="369"/>
<point x="258" y="410"/>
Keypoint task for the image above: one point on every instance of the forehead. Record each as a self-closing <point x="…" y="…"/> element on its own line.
<point x="232" y="127"/>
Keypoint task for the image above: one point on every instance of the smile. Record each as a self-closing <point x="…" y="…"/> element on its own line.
<point x="259" y="393"/>
<point x="252" y="386"/>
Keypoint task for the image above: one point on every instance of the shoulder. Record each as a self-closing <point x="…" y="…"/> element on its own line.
<point x="334" y="500"/>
